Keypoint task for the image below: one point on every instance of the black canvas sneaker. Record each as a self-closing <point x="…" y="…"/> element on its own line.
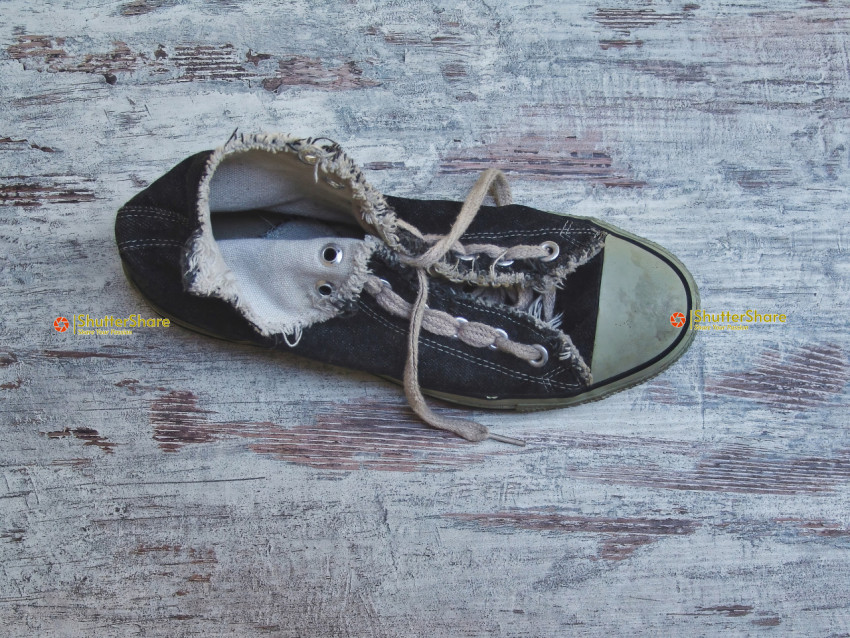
<point x="280" y="242"/>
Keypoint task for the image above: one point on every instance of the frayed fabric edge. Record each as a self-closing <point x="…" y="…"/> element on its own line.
<point x="490" y="279"/>
<point x="205" y="271"/>
<point x="569" y="352"/>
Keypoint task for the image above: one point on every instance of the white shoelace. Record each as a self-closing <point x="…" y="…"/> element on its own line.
<point x="491" y="181"/>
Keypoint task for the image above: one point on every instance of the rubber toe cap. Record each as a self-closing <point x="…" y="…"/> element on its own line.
<point x="642" y="288"/>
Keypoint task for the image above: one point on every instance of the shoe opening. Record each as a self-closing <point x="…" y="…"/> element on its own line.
<point x="289" y="236"/>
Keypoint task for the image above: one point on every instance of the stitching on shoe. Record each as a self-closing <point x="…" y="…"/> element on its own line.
<point x="460" y="355"/>
<point x="145" y="243"/>
<point x="501" y="315"/>
<point x="172" y="218"/>
<point x="154" y="212"/>
<point x="543" y="232"/>
<point x="149" y="215"/>
<point x="496" y="368"/>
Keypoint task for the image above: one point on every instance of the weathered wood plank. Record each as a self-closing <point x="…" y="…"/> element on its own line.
<point x="165" y="484"/>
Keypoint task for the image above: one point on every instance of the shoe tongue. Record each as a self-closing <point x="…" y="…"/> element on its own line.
<point x="280" y="276"/>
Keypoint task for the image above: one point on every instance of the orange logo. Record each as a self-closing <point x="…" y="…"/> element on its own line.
<point x="61" y="324"/>
<point x="677" y="319"/>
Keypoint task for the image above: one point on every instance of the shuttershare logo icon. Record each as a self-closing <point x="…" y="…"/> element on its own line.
<point x="60" y="324"/>
<point x="677" y="319"/>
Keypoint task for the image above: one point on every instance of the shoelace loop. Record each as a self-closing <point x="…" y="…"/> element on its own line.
<point x="491" y="181"/>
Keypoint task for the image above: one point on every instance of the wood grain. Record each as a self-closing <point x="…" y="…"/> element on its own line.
<point x="166" y="484"/>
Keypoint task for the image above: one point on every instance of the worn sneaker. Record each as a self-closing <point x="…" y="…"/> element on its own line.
<point x="280" y="242"/>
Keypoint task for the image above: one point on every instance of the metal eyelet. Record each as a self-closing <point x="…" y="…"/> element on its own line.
<point x="459" y="320"/>
<point x="333" y="183"/>
<point x="544" y="356"/>
<point x="552" y="248"/>
<point x="324" y="288"/>
<point x="308" y="156"/>
<point x="462" y="257"/>
<point x="504" y="263"/>
<point x="331" y="254"/>
<point x="502" y="334"/>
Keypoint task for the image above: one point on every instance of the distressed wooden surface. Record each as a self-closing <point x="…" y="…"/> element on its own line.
<point x="165" y="484"/>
